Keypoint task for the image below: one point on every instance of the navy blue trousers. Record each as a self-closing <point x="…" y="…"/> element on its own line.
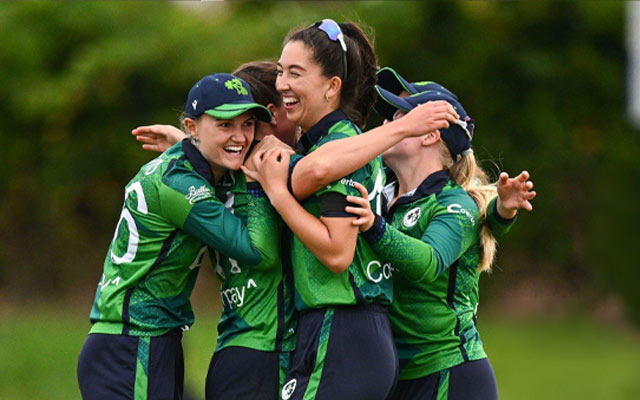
<point x="121" y="367"/>
<point x="342" y="352"/>
<point x="472" y="380"/>
<point x="243" y="373"/>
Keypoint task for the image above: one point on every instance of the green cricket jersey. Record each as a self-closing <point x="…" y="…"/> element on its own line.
<point x="257" y="299"/>
<point x="432" y="242"/>
<point x="367" y="279"/>
<point x="170" y="215"/>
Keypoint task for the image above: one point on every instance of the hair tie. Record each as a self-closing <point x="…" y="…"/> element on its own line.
<point x="464" y="153"/>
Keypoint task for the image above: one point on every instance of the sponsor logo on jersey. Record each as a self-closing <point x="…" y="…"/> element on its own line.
<point x="376" y="271"/>
<point x="347" y="182"/>
<point x="457" y="209"/>
<point x="288" y="389"/>
<point x="103" y="284"/>
<point x="234" y="297"/>
<point x="200" y="193"/>
<point x="411" y="218"/>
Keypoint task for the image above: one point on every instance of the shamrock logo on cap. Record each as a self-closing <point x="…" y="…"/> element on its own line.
<point x="237" y="85"/>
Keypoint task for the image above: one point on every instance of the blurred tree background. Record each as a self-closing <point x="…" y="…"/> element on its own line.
<point x="545" y="82"/>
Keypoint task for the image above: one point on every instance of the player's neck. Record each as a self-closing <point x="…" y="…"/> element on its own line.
<point x="411" y="172"/>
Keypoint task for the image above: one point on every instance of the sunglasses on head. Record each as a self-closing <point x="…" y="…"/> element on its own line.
<point x="333" y="31"/>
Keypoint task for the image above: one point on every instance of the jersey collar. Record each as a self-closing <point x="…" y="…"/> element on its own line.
<point x="320" y="129"/>
<point x="200" y="164"/>
<point x="434" y="183"/>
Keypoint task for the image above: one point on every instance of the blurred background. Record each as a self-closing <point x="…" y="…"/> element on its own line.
<point x="548" y="83"/>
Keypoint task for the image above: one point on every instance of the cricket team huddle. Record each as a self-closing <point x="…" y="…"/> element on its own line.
<point x="349" y="262"/>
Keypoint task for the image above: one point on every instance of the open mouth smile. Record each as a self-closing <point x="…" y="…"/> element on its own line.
<point x="289" y="102"/>
<point x="234" y="150"/>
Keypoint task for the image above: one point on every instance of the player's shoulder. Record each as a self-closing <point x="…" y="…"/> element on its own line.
<point x="340" y="130"/>
<point x="452" y="193"/>
<point x="179" y="175"/>
<point x="455" y="200"/>
<point x="344" y="126"/>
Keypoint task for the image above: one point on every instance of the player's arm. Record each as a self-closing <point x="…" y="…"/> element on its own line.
<point x="336" y="159"/>
<point x="415" y="259"/>
<point x="420" y="259"/>
<point x="513" y="194"/>
<point x="212" y="223"/>
<point x="158" y="137"/>
<point x="263" y="223"/>
<point x="202" y="215"/>
<point x="331" y="239"/>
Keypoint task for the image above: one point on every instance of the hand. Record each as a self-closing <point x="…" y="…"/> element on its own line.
<point x="267" y="143"/>
<point x="271" y="171"/>
<point x="366" y="217"/>
<point x="158" y="137"/>
<point x="429" y="117"/>
<point x="514" y="194"/>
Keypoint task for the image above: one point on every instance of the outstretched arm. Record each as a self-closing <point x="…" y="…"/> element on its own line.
<point x="158" y="137"/>
<point x="513" y="194"/>
<point x="339" y="158"/>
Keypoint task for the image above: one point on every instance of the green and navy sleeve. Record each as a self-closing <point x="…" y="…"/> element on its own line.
<point x="333" y="197"/>
<point x="189" y="203"/>
<point x="499" y="226"/>
<point x="410" y="257"/>
<point x="341" y="186"/>
<point x="449" y="233"/>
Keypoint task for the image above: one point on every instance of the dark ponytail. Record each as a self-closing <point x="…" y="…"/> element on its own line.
<point x="358" y="94"/>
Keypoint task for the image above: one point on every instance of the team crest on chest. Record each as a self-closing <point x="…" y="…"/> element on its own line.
<point x="288" y="389"/>
<point x="411" y="218"/>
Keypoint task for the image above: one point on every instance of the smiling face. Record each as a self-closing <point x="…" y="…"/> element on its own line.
<point x="223" y="142"/>
<point x="303" y="86"/>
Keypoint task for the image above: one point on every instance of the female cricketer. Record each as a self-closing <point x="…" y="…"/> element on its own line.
<point x="170" y="215"/>
<point x="432" y="234"/>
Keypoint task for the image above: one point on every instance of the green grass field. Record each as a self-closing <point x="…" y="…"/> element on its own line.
<point x="573" y="358"/>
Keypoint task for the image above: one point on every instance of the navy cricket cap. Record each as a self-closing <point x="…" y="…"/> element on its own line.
<point x="457" y="137"/>
<point x="392" y="81"/>
<point x="223" y="96"/>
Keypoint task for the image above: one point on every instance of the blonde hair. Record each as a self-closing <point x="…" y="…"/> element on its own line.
<point x="467" y="173"/>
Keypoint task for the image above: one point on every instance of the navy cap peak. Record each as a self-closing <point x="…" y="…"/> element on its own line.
<point x="223" y="96"/>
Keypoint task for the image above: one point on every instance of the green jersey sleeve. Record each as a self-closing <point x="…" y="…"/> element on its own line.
<point x="446" y="233"/>
<point x="411" y="257"/>
<point x="340" y="186"/>
<point x="263" y="222"/>
<point x="190" y="203"/>
<point x="450" y="231"/>
<point x="371" y="176"/>
<point x="499" y="226"/>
